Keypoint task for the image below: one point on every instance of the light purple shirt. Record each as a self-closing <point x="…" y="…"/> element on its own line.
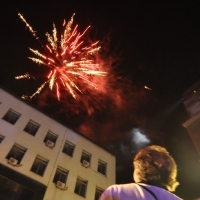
<point x="133" y="191"/>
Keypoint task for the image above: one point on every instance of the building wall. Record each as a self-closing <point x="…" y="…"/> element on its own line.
<point x="192" y="107"/>
<point x="193" y="128"/>
<point x="192" y="99"/>
<point x="35" y="146"/>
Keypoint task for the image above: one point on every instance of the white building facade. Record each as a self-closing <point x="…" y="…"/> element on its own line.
<point x="41" y="158"/>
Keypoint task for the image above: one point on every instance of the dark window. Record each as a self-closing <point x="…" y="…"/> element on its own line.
<point x="102" y="167"/>
<point x="17" y="152"/>
<point x="32" y="127"/>
<point x="60" y="175"/>
<point x="81" y="186"/>
<point x="98" y="193"/>
<point x="69" y="148"/>
<point x="11" y="116"/>
<point x="1" y="138"/>
<point x="50" y="139"/>
<point x="85" y="156"/>
<point x="39" y="165"/>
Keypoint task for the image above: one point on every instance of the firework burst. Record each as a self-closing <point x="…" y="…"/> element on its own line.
<point x="70" y="59"/>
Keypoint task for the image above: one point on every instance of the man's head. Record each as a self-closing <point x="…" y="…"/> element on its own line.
<point x="154" y="165"/>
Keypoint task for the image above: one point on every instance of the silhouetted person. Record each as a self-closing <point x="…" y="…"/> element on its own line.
<point x="155" y="173"/>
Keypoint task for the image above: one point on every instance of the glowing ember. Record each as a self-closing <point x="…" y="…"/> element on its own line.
<point x="26" y="75"/>
<point x="147" y="88"/>
<point x="71" y="63"/>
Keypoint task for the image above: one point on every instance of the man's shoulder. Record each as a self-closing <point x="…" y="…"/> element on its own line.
<point x="121" y="186"/>
<point x="120" y="191"/>
<point x="162" y="193"/>
<point x="133" y="190"/>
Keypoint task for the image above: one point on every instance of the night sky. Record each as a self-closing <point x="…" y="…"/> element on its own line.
<point x="152" y="43"/>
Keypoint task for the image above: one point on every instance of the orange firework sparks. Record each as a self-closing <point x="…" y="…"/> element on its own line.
<point x="26" y="75"/>
<point x="71" y="63"/>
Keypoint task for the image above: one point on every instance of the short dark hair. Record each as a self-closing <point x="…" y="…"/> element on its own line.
<point x="157" y="167"/>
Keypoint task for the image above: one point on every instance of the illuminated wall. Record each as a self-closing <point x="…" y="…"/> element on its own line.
<point x="44" y="152"/>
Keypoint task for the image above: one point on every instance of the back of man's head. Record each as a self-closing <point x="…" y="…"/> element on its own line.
<point x="154" y="165"/>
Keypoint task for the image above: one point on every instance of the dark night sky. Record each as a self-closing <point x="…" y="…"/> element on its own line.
<point x="158" y="43"/>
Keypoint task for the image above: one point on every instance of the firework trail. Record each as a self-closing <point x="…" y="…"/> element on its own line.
<point x="72" y="62"/>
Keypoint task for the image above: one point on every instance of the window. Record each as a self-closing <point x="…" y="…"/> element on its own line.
<point x="17" y="152"/>
<point x="102" y="167"/>
<point x="32" y="127"/>
<point x="98" y="193"/>
<point x="85" y="156"/>
<point x="60" y="175"/>
<point x="39" y="165"/>
<point x="11" y="116"/>
<point x="81" y="186"/>
<point x="1" y="138"/>
<point x="69" y="148"/>
<point x="50" y="139"/>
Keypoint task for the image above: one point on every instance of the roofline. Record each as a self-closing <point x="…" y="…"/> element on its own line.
<point x="42" y="111"/>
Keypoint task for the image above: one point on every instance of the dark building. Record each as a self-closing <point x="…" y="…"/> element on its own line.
<point x="192" y="106"/>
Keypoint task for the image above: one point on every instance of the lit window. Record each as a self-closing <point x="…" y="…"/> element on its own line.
<point x="85" y="157"/>
<point x="50" y="139"/>
<point x="32" y="127"/>
<point x="81" y="186"/>
<point x="17" y="152"/>
<point x="1" y="138"/>
<point x="39" y="165"/>
<point x="102" y="167"/>
<point x="98" y="193"/>
<point x="68" y="148"/>
<point x="60" y="175"/>
<point x="11" y="116"/>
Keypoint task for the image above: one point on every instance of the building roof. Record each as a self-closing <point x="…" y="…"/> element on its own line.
<point x="29" y="103"/>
